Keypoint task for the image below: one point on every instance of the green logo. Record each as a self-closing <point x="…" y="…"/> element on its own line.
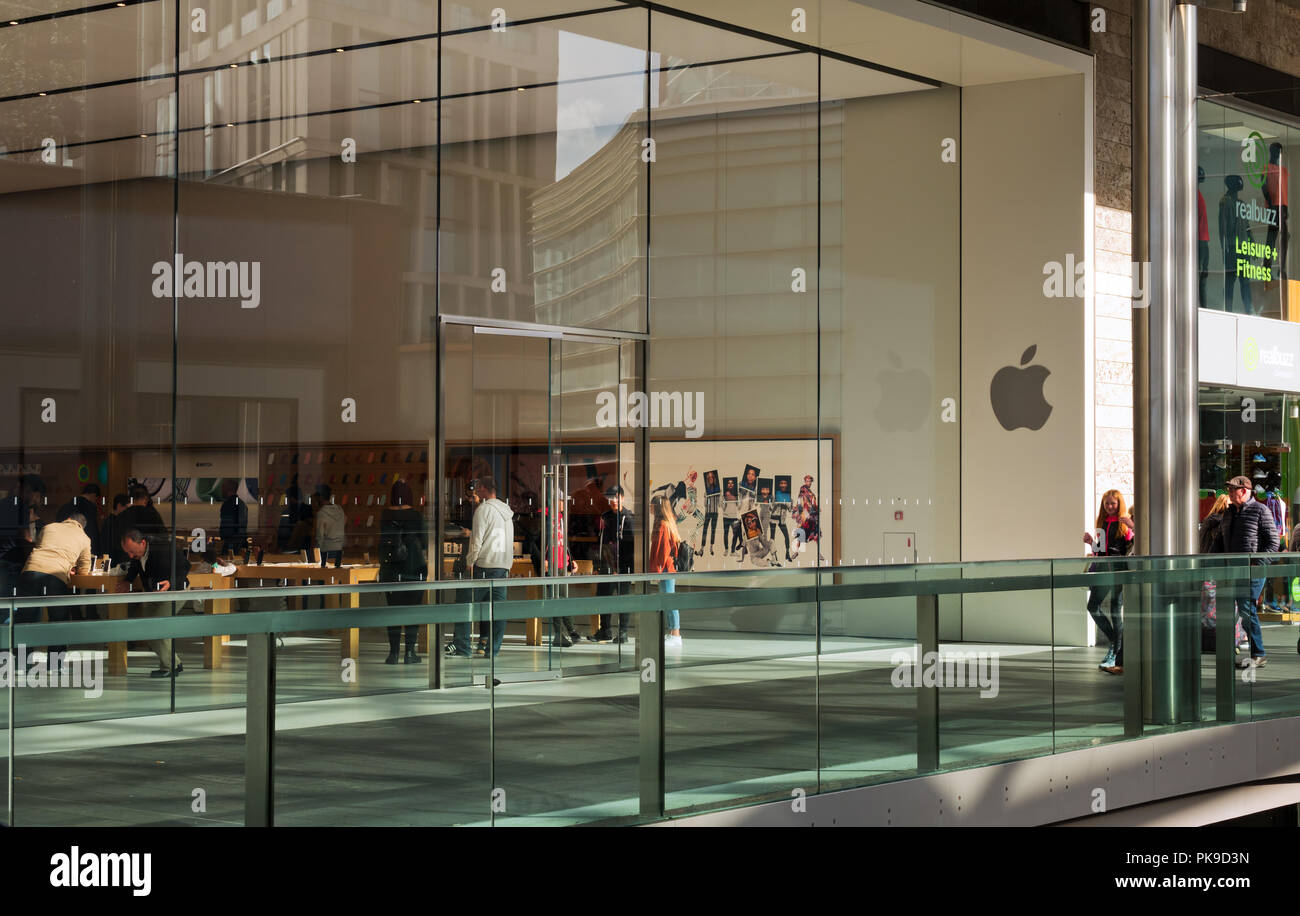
<point x="1250" y="354"/>
<point x="1257" y="169"/>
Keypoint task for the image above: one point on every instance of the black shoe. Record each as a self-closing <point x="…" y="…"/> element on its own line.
<point x="496" y="682"/>
<point x="411" y="658"/>
<point x="392" y="657"/>
<point x="601" y="635"/>
<point x="166" y="672"/>
<point x="450" y="652"/>
<point x="620" y="638"/>
<point x="561" y="642"/>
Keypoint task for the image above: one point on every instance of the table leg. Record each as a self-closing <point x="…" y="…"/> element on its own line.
<point x="117" y="650"/>
<point x="213" y="646"/>
<point x="533" y="631"/>
<point x="350" y="644"/>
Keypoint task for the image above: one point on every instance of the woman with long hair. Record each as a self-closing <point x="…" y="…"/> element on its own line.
<point x="663" y="558"/>
<point x="1113" y="538"/>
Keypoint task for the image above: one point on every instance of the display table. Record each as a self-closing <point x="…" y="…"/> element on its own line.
<point x="106" y="583"/>
<point x="299" y="573"/>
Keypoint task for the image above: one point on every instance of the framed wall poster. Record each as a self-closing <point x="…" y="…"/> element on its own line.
<point x="679" y="470"/>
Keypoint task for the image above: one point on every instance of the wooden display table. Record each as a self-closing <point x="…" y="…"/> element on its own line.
<point x="298" y="573"/>
<point x="212" y="645"/>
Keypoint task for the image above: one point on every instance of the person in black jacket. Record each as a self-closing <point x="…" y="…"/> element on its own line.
<point x="617" y="552"/>
<point x="403" y="557"/>
<point x="1247" y="527"/>
<point x="149" y="559"/>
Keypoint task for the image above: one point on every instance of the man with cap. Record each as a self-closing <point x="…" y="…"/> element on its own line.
<point x="1247" y="527"/>
<point x="617" y="552"/>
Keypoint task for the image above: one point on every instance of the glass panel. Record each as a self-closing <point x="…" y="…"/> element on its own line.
<point x="404" y="757"/>
<point x="542" y="194"/>
<point x="566" y="750"/>
<point x="497" y="434"/>
<point x="304" y="414"/>
<point x="867" y="698"/>
<point x="95" y="710"/>
<point x="86" y="218"/>
<point x="889" y="315"/>
<point x="1004" y="644"/>
<point x="740" y="689"/>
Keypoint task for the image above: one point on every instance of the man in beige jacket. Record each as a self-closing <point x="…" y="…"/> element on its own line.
<point x="61" y="549"/>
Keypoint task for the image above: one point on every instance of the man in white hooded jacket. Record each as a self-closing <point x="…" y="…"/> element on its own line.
<point x="490" y="555"/>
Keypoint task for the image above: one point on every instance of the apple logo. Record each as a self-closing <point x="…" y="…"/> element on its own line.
<point x="1017" y="394"/>
<point x="904" y="396"/>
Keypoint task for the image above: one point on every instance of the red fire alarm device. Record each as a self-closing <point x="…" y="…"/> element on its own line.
<point x="898" y="515"/>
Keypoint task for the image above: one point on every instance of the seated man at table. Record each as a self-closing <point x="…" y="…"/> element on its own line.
<point x="149" y="559"/>
<point x="61" y="549"/>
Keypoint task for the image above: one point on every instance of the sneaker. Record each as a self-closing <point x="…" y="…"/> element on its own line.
<point x="561" y="642"/>
<point x="1246" y="663"/>
<point x="165" y="672"/>
<point x="1259" y="458"/>
<point x="450" y="651"/>
<point x="672" y="642"/>
<point x="601" y="635"/>
<point x="1259" y="661"/>
<point x="619" y="639"/>
<point x="1108" y="661"/>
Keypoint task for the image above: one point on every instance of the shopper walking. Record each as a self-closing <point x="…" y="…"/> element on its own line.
<point x="663" y="558"/>
<point x="1113" y="538"/>
<point x="1247" y="527"/>
<point x="403" y="557"/>
<point x="490" y="554"/>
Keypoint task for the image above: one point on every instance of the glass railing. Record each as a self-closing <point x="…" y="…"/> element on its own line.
<point x="386" y="703"/>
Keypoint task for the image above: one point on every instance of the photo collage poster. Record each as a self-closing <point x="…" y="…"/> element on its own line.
<point x="748" y="503"/>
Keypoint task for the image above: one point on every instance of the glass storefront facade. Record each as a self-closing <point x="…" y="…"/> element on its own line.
<point x="265" y="257"/>
<point x="275" y="248"/>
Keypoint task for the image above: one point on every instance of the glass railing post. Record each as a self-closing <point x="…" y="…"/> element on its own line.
<point x="650" y="656"/>
<point x="1136" y="616"/>
<point x="927" y="698"/>
<point x="11" y="722"/>
<point x="259" y="740"/>
<point x="1225" y="650"/>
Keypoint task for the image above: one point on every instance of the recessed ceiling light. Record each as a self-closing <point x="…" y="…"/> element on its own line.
<point x="121" y="4"/>
<point x="13" y="21"/>
<point x="234" y="65"/>
<point x="231" y="124"/>
<point x="340" y="50"/>
<point x="144" y="136"/>
<point x="415" y="101"/>
<point x="42" y="94"/>
<point x="521" y="88"/>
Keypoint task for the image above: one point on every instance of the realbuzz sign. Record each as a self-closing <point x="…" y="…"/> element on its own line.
<point x="1252" y="356"/>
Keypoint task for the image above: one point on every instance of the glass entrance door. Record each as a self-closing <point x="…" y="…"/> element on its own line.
<point x="535" y="412"/>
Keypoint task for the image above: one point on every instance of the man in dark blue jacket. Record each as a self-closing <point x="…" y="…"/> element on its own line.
<point x="1247" y="527"/>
